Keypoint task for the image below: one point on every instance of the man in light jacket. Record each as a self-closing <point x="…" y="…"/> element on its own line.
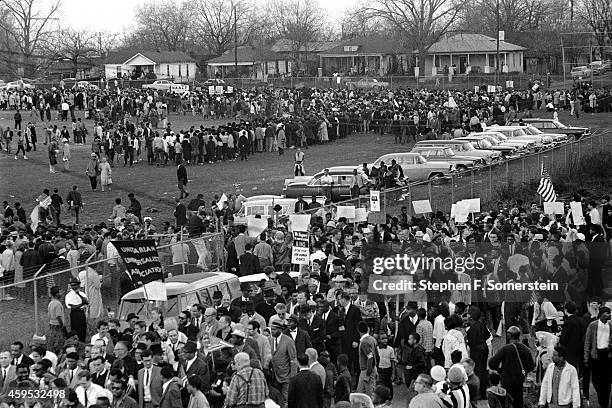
<point x="560" y="386"/>
<point x="596" y="354"/>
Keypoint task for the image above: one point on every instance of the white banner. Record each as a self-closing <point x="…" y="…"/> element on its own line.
<point x="204" y="256"/>
<point x="299" y="222"/>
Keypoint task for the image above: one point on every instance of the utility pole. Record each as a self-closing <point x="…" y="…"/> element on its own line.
<point x="497" y="56"/>
<point x="235" y="42"/>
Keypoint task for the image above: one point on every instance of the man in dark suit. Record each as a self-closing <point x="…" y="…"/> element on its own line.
<point x="17" y="355"/>
<point x="350" y="316"/>
<point x="180" y="213"/>
<point x="332" y="334"/>
<point x="299" y="336"/>
<point x="181" y="175"/>
<point x="171" y="395"/>
<point x="407" y="324"/>
<point x="249" y="263"/>
<point x="149" y="382"/>
<point x="242" y="301"/>
<point x="314" y="326"/>
<point x="189" y="365"/>
<point x="305" y="388"/>
<point x="572" y="336"/>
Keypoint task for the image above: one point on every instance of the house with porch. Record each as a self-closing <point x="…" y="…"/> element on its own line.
<point x="372" y="56"/>
<point x="473" y="53"/>
<point x="252" y="62"/>
<point x="164" y="64"/>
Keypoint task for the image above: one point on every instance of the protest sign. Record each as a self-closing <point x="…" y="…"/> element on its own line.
<point x="421" y="206"/>
<point x="374" y="200"/>
<point x="230" y="89"/>
<point x="553" y="208"/>
<point x="204" y="255"/>
<point x="142" y="262"/>
<point x="300" y="254"/>
<point x="453" y="209"/>
<point x="361" y="215"/>
<point x="346" y="211"/>
<point x="219" y="90"/>
<point x="299" y="222"/>
<point x="509" y="84"/>
<point x="462" y="211"/>
<point x="577" y="215"/>
<point x="474" y="204"/>
<point x="256" y="226"/>
<point x="377" y="218"/>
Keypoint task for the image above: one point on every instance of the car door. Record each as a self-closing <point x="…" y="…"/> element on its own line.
<point x="411" y="170"/>
<point x="342" y="189"/>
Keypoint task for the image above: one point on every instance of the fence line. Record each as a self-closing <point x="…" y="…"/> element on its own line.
<point x="483" y="181"/>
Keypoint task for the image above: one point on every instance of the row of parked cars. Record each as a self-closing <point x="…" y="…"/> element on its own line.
<point x="594" y="68"/>
<point x="435" y="159"/>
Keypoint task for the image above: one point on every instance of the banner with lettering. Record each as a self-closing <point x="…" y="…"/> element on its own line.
<point x="142" y="262"/>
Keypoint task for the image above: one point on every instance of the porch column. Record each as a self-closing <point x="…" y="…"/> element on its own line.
<point x="468" y="59"/>
<point x="487" y="59"/>
<point x="451" y="61"/>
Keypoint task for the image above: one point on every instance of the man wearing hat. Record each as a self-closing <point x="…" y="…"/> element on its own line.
<point x="266" y="308"/>
<point x="135" y="207"/>
<point x="242" y="344"/>
<point x="76" y="301"/>
<point x="299" y="336"/>
<point x="513" y="362"/>
<point x="284" y="358"/>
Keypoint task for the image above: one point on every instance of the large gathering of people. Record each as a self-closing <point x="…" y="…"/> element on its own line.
<point x="319" y="340"/>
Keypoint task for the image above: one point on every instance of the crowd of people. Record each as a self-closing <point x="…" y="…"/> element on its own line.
<point x="321" y="340"/>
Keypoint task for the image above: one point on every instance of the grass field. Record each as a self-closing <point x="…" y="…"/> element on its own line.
<point x="22" y="180"/>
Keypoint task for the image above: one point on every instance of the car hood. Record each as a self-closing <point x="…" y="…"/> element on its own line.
<point x="298" y="180"/>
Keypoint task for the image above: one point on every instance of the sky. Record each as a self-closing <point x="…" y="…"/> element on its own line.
<point x="118" y="15"/>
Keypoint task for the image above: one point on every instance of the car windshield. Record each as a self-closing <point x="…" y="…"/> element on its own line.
<point x="485" y="144"/>
<point x="519" y="132"/>
<point x="559" y="125"/>
<point x="448" y="152"/>
<point x="421" y="159"/>
<point x="464" y="147"/>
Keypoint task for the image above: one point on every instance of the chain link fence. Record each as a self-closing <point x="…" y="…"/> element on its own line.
<point x="177" y="256"/>
<point x="486" y="182"/>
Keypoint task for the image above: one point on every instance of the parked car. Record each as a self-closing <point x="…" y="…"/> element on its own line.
<point x="580" y="72"/>
<point x="263" y="207"/>
<point x="446" y="154"/>
<point x="214" y="82"/>
<point x="556" y="137"/>
<point x="166" y="85"/>
<point x="19" y="84"/>
<point x="341" y="190"/>
<point x="368" y="83"/>
<point x="518" y="132"/>
<point x="464" y="148"/>
<point x="551" y="125"/>
<point x="485" y="142"/>
<point x="522" y="145"/>
<point x="600" y="67"/>
<point x="85" y="85"/>
<point x="415" y="166"/>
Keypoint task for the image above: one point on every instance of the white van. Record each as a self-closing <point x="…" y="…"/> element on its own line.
<point x="264" y="207"/>
<point x="183" y="292"/>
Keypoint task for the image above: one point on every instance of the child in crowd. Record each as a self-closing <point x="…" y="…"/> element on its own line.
<point x="496" y="394"/>
<point x="438" y="374"/>
<point x="386" y="365"/>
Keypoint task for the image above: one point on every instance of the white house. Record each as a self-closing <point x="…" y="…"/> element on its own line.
<point x="165" y="64"/>
<point x="255" y="63"/>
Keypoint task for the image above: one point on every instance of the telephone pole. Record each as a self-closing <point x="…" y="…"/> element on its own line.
<point x="497" y="56"/>
<point x="235" y="41"/>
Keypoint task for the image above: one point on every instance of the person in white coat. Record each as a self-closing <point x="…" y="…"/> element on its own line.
<point x="560" y="386"/>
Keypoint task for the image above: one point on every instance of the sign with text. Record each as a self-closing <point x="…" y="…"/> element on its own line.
<point x="554" y="208"/>
<point x="142" y="262"/>
<point x="377" y="218"/>
<point x="300" y="254"/>
<point x="374" y="200"/>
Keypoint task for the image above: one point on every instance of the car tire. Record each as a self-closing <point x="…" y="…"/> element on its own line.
<point x="461" y="167"/>
<point x="435" y="176"/>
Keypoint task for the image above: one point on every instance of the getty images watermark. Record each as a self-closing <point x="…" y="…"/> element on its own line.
<point x="399" y="272"/>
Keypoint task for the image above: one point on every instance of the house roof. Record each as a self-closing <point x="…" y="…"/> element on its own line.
<point x="246" y="54"/>
<point x="366" y="46"/>
<point x="159" y="57"/>
<point x="473" y="43"/>
<point x="286" y="45"/>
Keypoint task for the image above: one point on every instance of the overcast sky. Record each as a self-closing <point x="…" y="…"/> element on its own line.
<point x="118" y="15"/>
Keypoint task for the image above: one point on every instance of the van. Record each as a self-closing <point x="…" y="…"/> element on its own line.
<point x="264" y="207"/>
<point x="183" y="291"/>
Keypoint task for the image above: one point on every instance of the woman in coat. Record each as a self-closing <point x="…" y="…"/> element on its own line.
<point x="323" y="135"/>
<point x="106" y="174"/>
<point x="66" y="154"/>
<point x="92" y="171"/>
<point x="91" y="282"/>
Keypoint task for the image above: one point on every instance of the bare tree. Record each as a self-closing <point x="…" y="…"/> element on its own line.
<point x="356" y="23"/>
<point x="298" y="21"/>
<point x="29" y="28"/>
<point x="78" y="47"/>
<point x="420" y="23"/>
<point x="214" y="22"/>
<point x="598" y="15"/>
<point x="162" y="25"/>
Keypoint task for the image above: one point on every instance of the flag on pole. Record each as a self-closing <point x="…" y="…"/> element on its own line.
<point x="546" y="189"/>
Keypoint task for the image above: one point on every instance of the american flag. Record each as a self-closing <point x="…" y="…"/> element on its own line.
<point x="546" y="189"/>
